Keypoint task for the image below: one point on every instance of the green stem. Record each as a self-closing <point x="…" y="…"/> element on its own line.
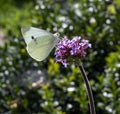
<point x="89" y="90"/>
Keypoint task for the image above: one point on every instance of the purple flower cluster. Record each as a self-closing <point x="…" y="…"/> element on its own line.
<point x="67" y="49"/>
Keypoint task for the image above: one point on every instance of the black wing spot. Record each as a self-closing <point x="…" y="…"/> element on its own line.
<point x="32" y="37"/>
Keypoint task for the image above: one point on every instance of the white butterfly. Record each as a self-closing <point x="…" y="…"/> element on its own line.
<point x="39" y="42"/>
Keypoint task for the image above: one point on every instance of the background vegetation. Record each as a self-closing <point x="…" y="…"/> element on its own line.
<point x="30" y="87"/>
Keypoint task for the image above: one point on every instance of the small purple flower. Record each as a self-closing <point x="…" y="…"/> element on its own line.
<point x="67" y="49"/>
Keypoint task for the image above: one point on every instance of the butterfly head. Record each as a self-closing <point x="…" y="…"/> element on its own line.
<point x="56" y="35"/>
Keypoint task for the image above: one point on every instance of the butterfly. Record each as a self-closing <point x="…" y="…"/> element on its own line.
<point x="39" y="42"/>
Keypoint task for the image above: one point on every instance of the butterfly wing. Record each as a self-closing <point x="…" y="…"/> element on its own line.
<point x="40" y="51"/>
<point x="40" y="47"/>
<point x="28" y="32"/>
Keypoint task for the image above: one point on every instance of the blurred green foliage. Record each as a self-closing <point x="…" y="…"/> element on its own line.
<point x="61" y="90"/>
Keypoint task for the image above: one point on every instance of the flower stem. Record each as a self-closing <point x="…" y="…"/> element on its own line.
<point x="89" y="90"/>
